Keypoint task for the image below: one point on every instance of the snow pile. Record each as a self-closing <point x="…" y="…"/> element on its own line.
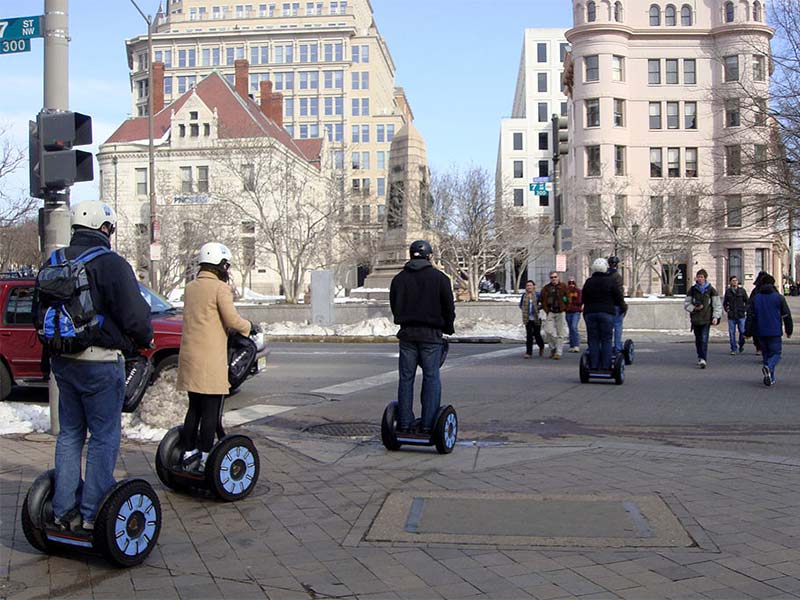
<point x="162" y="408"/>
<point x="16" y="417"/>
<point x="482" y="327"/>
<point x="378" y="327"/>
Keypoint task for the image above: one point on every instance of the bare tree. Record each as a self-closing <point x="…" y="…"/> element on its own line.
<point x="526" y="240"/>
<point x="16" y="206"/>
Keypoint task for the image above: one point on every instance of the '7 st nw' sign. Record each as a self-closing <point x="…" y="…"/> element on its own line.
<point x="16" y="33"/>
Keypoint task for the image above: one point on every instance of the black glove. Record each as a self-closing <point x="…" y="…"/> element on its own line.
<point x="254" y="329"/>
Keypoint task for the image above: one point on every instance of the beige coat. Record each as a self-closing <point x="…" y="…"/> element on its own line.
<point x="207" y="312"/>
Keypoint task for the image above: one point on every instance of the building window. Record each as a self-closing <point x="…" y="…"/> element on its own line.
<point x="756" y="11"/>
<point x="206" y="129"/>
<point x="591" y="12"/>
<point x="181" y="130"/>
<point x="655" y="115"/>
<point x="733" y="160"/>
<point x="656" y="162"/>
<point x="619" y="112"/>
<point x="657" y="211"/>
<point x="593" y="161"/>
<point x="619" y="160"/>
<point x="671" y="70"/>
<point x="594" y="214"/>
<point x="617" y="68"/>
<point x="733" y="211"/>
<point x="541" y="82"/>
<point x="543" y="141"/>
<point x="519" y="195"/>
<point x="141" y="182"/>
<point x="689" y="71"/>
<point x="541" y="52"/>
<point x="686" y="15"/>
<point x="729" y="12"/>
<point x="691" y="162"/>
<point x="690" y="115"/>
<point x="592" y="68"/>
<point x="517" y="141"/>
<point x="518" y="171"/>
<point x="542" y="109"/>
<point x="248" y="177"/>
<point x="762" y="259"/>
<point x="732" y="113"/>
<point x="673" y="162"/>
<point x="360" y="54"/>
<point x="186" y="180"/>
<point x="563" y="109"/>
<point x="593" y="112"/>
<point x="194" y="130"/>
<point x="760" y="159"/>
<point x="544" y="168"/>
<point x="655" y="15"/>
<point x="759" y="74"/>
<point x="618" y="12"/>
<point x="731" y="68"/>
<point x="653" y="71"/>
<point x="673" y="115"/>
<point x="202" y="180"/>
<point x="670" y="16"/>
<point x="563" y="48"/>
<point x="761" y="210"/>
<point x="760" y="112"/>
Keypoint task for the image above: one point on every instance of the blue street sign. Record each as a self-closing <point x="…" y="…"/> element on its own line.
<point x="20" y="28"/>
<point x="13" y="46"/>
<point x="540" y="179"/>
<point x="540" y="189"/>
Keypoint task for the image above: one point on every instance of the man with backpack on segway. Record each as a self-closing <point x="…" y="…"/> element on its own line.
<point x="88" y="310"/>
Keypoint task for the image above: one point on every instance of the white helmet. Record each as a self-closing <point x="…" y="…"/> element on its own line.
<point x="213" y="253"/>
<point x="92" y="214"/>
<point x="600" y="265"/>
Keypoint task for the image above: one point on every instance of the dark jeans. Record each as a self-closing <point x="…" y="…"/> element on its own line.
<point x="90" y="396"/>
<point x="771" y="347"/>
<point x="427" y="356"/>
<point x="204" y="410"/>
<point x="533" y="330"/>
<point x="733" y="325"/>
<point x="599" y="331"/>
<point x="701" y="340"/>
<point x="573" y="318"/>
<point x="618" y="318"/>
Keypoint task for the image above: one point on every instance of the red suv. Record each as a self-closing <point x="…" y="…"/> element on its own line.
<point x="21" y="351"/>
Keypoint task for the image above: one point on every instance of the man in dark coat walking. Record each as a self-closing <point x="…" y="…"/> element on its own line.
<point x="735" y="306"/>
<point x="421" y="299"/>
<point x="767" y="317"/>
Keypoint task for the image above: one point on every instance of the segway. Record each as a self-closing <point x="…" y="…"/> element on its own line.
<point x="616" y="373"/>
<point x="627" y="351"/>
<point x="125" y="530"/>
<point x="443" y="435"/>
<point x="233" y="465"/>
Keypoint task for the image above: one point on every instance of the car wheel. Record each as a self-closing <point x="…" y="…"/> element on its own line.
<point x="165" y="365"/>
<point x="5" y="382"/>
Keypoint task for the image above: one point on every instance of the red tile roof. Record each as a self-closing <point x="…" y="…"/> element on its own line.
<point x="237" y="118"/>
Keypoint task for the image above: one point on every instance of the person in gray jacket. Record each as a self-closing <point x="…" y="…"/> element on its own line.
<point x="705" y="309"/>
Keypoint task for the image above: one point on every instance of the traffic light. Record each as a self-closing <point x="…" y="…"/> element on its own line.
<point x="54" y="163"/>
<point x="563" y="136"/>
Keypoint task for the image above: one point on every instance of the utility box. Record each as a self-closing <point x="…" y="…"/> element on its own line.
<point x="322" y="292"/>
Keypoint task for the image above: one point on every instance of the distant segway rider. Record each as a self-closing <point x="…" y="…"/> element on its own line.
<point x="602" y="300"/>
<point x="421" y="299"/>
<point x="208" y="312"/>
<point x="619" y="316"/>
<point x="87" y="361"/>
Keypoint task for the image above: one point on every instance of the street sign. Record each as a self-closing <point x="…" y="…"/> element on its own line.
<point x="14" y="46"/>
<point x="20" y="28"/>
<point x="539" y="189"/>
<point x="540" y="179"/>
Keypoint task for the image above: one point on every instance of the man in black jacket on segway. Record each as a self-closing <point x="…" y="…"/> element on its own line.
<point x="421" y="299"/>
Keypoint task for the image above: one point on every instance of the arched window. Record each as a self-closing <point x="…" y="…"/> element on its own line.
<point x="756" y="11"/>
<point x="729" y="12"/>
<point x="591" y="12"/>
<point x="655" y="15"/>
<point x="669" y="16"/>
<point x="686" y="15"/>
<point x="618" y="12"/>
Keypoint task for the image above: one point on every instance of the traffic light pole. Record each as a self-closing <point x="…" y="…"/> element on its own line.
<point x="55" y="214"/>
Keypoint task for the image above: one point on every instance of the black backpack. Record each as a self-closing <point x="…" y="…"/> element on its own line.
<point x="242" y="353"/>
<point x="66" y="319"/>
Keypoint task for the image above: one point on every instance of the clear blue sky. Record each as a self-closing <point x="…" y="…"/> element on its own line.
<point x="456" y="59"/>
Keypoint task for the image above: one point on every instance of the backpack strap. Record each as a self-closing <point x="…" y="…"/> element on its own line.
<point x="90" y="254"/>
<point x="57" y="256"/>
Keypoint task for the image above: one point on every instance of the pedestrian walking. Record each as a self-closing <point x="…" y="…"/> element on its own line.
<point x="735" y="306"/>
<point x="601" y="296"/>
<point x="421" y="300"/>
<point x="705" y="309"/>
<point x="208" y="312"/>
<point x="88" y="364"/>
<point x="767" y="317"/>
<point x="554" y="303"/>
<point x="574" y="307"/>
<point x="529" y="306"/>
<point x="619" y="316"/>
<point x="756" y="286"/>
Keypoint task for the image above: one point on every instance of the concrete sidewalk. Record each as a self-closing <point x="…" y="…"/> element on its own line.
<point x="324" y="523"/>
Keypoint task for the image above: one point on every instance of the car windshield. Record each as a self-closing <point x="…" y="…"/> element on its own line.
<point x="158" y="304"/>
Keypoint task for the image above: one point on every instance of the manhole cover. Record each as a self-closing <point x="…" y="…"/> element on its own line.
<point x="345" y="429"/>
<point x="292" y="399"/>
<point x="39" y="437"/>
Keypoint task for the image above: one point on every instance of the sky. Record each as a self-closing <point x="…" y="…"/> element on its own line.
<point x="456" y="59"/>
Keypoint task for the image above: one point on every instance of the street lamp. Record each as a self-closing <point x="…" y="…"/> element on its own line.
<point x="634" y="248"/>
<point x="616" y="221"/>
<point x="150" y="150"/>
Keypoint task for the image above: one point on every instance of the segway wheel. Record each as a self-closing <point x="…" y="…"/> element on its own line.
<point x="33" y="517"/>
<point x="388" y="427"/>
<point x="446" y="431"/>
<point x="619" y="370"/>
<point x="233" y="467"/>
<point x="128" y="523"/>
<point x="169" y="454"/>
<point x="583" y="369"/>
<point x="627" y="351"/>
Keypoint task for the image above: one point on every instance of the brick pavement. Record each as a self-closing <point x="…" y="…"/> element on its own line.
<point x="302" y="532"/>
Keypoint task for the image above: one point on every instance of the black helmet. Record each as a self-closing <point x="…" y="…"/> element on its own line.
<point x="420" y="249"/>
<point x="613" y="261"/>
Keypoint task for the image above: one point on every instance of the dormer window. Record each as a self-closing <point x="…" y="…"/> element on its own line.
<point x="655" y="15"/>
<point x="591" y="12"/>
<point x="193" y="115"/>
<point x="618" y="12"/>
<point x="182" y="130"/>
<point x="729" y="12"/>
<point x="756" y="11"/>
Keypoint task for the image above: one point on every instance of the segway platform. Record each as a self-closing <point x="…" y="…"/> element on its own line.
<point x="126" y="527"/>
<point x="616" y="373"/>
<point x="443" y="435"/>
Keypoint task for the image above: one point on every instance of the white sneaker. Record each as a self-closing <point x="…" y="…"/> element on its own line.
<point x="702" y="363"/>
<point x="203" y="459"/>
<point x="188" y="457"/>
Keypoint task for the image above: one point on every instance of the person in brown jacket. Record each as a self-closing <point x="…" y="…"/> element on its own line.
<point x="208" y="312"/>
<point x="554" y="303"/>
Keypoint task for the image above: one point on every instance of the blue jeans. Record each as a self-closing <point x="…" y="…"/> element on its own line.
<point x="618" y="318"/>
<point x="701" y="340"/>
<point x="426" y="355"/>
<point x="771" y="347"/>
<point x="90" y="395"/>
<point x="599" y="329"/>
<point x="573" y="318"/>
<point x="733" y="324"/>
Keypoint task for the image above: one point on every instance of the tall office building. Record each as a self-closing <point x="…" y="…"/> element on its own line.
<point x="326" y="58"/>
<point x="668" y="131"/>
<point x="526" y="145"/>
